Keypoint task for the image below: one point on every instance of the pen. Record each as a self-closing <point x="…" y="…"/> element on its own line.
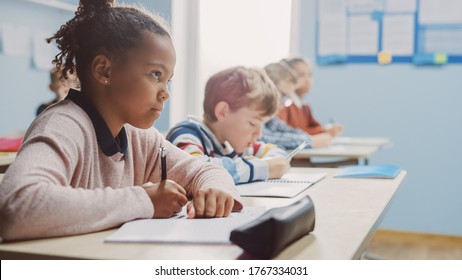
<point x="294" y="152"/>
<point x="163" y="163"/>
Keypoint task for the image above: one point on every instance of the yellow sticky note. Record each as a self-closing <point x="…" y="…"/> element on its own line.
<point x="384" y="57"/>
<point x="441" y="58"/>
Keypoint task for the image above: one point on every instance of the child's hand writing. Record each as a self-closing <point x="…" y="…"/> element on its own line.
<point x="210" y="203"/>
<point x="167" y="197"/>
<point x="334" y="129"/>
<point x="321" y="140"/>
<point x="278" y="166"/>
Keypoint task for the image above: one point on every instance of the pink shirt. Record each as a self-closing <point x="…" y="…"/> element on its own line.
<point x="68" y="179"/>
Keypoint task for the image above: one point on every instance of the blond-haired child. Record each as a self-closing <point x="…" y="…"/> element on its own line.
<point x="299" y="114"/>
<point x="237" y="102"/>
<point x="277" y="131"/>
<point x="59" y="87"/>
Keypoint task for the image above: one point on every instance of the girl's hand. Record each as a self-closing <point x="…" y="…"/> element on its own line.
<point x="210" y="203"/>
<point x="167" y="198"/>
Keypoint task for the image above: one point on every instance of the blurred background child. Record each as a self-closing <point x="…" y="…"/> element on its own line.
<point x="276" y="131"/>
<point x="60" y="87"/>
<point x="237" y="103"/>
<point x="299" y="114"/>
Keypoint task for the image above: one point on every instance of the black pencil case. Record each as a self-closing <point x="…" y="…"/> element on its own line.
<point x="272" y="232"/>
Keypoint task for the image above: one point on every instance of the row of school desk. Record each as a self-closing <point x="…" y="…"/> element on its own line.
<point x="350" y="150"/>
<point x="347" y="214"/>
<point x="345" y="147"/>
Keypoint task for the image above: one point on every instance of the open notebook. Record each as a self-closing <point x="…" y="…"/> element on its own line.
<point x="179" y="229"/>
<point x="288" y="186"/>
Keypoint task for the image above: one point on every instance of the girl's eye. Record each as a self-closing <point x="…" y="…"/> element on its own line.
<point x="156" y="74"/>
<point x="252" y="124"/>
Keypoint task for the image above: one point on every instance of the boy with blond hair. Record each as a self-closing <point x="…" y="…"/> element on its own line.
<point x="237" y="103"/>
<point x="59" y="87"/>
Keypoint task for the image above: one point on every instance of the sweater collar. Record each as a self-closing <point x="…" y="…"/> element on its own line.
<point x="108" y="144"/>
<point x="297" y="101"/>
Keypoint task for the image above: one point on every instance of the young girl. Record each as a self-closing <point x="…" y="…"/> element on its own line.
<point x="277" y="131"/>
<point x="91" y="162"/>
<point x="299" y="114"/>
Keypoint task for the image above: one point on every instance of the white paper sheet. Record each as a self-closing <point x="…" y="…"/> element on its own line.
<point x="288" y="186"/>
<point x="447" y="41"/>
<point x="363" y="35"/>
<point x="394" y="6"/>
<point x="365" y="6"/>
<point x="332" y="36"/>
<point x="183" y="230"/>
<point x="398" y="34"/>
<point x="332" y="27"/>
<point x="440" y="12"/>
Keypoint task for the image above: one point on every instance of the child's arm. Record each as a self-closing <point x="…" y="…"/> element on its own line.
<point x="274" y="157"/>
<point x="37" y="199"/>
<point x="279" y="133"/>
<point x="167" y="197"/>
<point x="321" y="140"/>
<point x="210" y="203"/>
<point x="333" y="129"/>
<point x="241" y="170"/>
<point x="210" y="187"/>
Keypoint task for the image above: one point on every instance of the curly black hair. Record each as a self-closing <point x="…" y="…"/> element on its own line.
<point x="99" y="26"/>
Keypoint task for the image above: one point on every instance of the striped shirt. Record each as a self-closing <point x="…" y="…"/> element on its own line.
<point x="278" y="132"/>
<point x="195" y="138"/>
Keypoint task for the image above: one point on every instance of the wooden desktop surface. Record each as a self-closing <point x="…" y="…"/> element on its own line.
<point x="380" y="142"/>
<point x="7" y="158"/>
<point x="343" y="151"/>
<point x="347" y="214"/>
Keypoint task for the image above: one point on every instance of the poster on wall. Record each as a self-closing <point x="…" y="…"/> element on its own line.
<point x="389" y="31"/>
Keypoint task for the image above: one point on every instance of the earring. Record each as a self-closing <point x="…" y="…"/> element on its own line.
<point x="105" y="82"/>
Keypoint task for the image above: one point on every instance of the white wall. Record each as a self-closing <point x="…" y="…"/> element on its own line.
<point x="419" y="108"/>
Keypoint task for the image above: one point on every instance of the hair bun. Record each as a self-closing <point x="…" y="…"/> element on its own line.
<point x="91" y="7"/>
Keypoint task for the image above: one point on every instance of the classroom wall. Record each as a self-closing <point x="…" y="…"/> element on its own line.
<point x="23" y="88"/>
<point x="418" y="108"/>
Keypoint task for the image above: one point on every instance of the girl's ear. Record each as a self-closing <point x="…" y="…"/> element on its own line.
<point x="101" y="69"/>
<point x="221" y="110"/>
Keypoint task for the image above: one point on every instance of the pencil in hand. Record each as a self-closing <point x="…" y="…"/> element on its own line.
<point x="163" y="163"/>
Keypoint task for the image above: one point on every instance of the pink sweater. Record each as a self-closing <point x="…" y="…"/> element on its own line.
<point x="62" y="183"/>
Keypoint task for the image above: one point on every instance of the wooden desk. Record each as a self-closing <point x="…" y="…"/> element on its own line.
<point x="7" y="158"/>
<point x="339" y="151"/>
<point x="380" y="142"/>
<point x="347" y="214"/>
